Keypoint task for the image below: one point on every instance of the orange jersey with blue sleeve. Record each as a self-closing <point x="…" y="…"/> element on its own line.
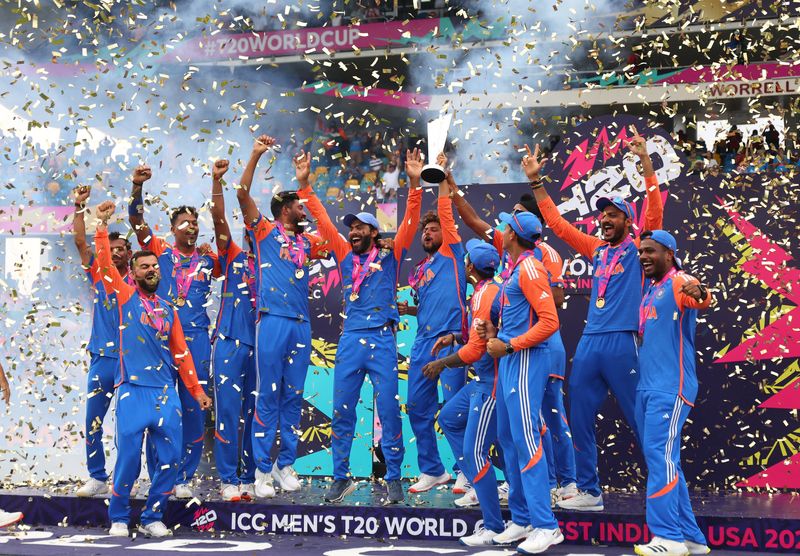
<point x="439" y="281"/>
<point x="103" y="339"/>
<point x="667" y="354"/>
<point x="151" y="342"/>
<point x="528" y="315"/>
<point x="375" y="303"/>
<point x="484" y="306"/>
<point x="199" y="269"/>
<point x="624" y="279"/>
<point x="237" y="313"/>
<point x="281" y="290"/>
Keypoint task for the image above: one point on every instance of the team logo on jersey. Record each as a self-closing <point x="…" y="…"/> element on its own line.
<point x="660" y="293"/>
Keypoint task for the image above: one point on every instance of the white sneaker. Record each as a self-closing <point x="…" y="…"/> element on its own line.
<point x="696" y="547"/>
<point x="155" y="529"/>
<point x="513" y="533"/>
<point x="230" y="493"/>
<point x="118" y="529"/>
<point x="502" y="493"/>
<point x="92" y="487"/>
<point x="462" y="484"/>
<point x="264" y="488"/>
<point x="540" y="540"/>
<point x="247" y="491"/>
<point x="286" y="478"/>
<point x="568" y="491"/>
<point x="10" y="518"/>
<point x="427" y="482"/>
<point x="483" y="537"/>
<point x="468" y="500"/>
<point x="662" y="547"/>
<point x="182" y="492"/>
<point x="582" y="502"/>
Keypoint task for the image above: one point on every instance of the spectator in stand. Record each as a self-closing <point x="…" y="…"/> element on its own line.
<point x="390" y="182"/>
<point x="356" y="150"/>
<point x="352" y="171"/>
<point x="711" y="164"/>
<point x="375" y="162"/>
<point x="734" y="139"/>
<point x="771" y="137"/>
<point x="756" y="141"/>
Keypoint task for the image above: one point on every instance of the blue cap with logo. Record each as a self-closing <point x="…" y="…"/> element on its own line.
<point x="667" y="240"/>
<point x="364" y="217"/>
<point x="483" y="256"/>
<point x="618" y="202"/>
<point x="524" y="224"/>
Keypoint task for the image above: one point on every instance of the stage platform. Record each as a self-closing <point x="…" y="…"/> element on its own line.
<point x="732" y="521"/>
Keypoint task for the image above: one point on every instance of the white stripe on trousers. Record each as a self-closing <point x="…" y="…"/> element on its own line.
<point x="483" y="427"/>
<point x="673" y="432"/>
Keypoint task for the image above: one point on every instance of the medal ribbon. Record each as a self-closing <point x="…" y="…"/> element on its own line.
<point x="360" y="272"/>
<point x="606" y="270"/>
<point x="507" y="268"/>
<point x="154" y="312"/>
<point x="296" y="247"/>
<point x="416" y="275"/>
<point x="184" y="277"/>
<point x="650" y="296"/>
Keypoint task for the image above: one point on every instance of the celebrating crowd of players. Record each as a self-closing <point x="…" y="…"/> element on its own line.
<point x="150" y="347"/>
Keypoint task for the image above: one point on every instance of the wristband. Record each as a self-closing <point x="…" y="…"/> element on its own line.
<point x="536" y="184"/>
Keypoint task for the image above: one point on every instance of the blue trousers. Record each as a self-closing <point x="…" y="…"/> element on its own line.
<point x="157" y="411"/>
<point x="194" y="418"/>
<point x="469" y="422"/>
<point x="523" y="376"/>
<point x="283" y="352"/>
<point x="557" y="439"/>
<point x="423" y="402"/>
<point x="100" y="390"/>
<point x="361" y="352"/>
<point x="233" y="367"/>
<point x="602" y="362"/>
<point x="669" y="512"/>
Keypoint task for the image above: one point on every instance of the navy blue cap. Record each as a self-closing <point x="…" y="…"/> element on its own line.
<point x="525" y="224"/>
<point x="483" y="256"/>
<point x="364" y="217"/>
<point x="618" y="202"/>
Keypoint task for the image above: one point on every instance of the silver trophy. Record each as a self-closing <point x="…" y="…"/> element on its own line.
<point x="437" y="136"/>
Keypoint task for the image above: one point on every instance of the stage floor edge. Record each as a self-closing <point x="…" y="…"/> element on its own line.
<point x="731" y="521"/>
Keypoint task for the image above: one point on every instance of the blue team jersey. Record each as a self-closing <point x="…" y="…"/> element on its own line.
<point x="623" y="293"/>
<point x="667" y="353"/>
<point x="440" y="285"/>
<point x="193" y="313"/>
<point x="104" y="337"/>
<point x="280" y="291"/>
<point x="525" y="299"/>
<point x="376" y="304"/>
<point x="237" y="315"/>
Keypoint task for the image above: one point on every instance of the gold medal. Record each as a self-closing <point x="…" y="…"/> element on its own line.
<point x="600" y="303"/>
<point x="299" y="273"/>
<point x="353" y="297"/>
<point x="180" y="302"/>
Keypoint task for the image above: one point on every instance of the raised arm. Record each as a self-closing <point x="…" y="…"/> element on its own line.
<point x="183" y="360"/>
<point x="222" y="230"/>
<point x="480" y="227"/>
<point x="654" y="213"/>
<point x="246" y="202"/>
<point x="444" y="207"/>
<point x="410" y="222"/>
<point x="111" y="279"/>
<point x="136" y="205"/>
<point x="79" y="224"/>
<point x="572" y="236"/>
<point x="327" y="229"/>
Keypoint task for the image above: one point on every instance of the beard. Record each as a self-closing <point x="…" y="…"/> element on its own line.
<point x="149" y="284"/>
